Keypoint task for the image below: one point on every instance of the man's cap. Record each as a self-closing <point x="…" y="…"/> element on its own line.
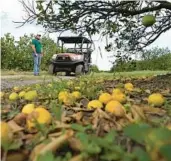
<point x="38" y="34"/>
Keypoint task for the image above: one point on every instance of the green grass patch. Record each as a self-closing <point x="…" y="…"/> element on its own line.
<point x="15" y="72"/>
<point x="133" y="73"/>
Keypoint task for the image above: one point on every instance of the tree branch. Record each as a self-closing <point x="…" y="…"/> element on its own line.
<point x="102" y="16"/>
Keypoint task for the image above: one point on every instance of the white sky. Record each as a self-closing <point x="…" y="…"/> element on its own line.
<point x="12" y="10"/>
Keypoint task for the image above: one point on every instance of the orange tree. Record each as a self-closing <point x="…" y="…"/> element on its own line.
<point x="132" y="25"/>
<point x="18" y="54"/>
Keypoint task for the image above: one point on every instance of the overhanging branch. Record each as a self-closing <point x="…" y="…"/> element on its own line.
<point x="100" y="17"/>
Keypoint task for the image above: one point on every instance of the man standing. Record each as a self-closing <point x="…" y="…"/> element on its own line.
<point x="37" y="53"/>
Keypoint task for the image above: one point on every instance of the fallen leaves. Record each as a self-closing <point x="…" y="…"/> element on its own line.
<point x="72" y="119"/>
<point x="52" y="146"/>
<point x="153" y="111"/>
<point x="20" y="119"/>
<point x="17" y="155"/>
<point x="15" y="127"/>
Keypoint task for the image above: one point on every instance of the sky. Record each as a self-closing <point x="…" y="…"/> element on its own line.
<point x="14" y="12"/>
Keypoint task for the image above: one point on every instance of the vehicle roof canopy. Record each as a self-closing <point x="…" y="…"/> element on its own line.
<point x="74" y="39"/>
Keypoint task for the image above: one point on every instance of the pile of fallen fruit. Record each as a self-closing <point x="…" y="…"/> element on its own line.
<point x="102" y="119"/>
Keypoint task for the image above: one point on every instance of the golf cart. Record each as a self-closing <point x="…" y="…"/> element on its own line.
<point x="76" y="59"/>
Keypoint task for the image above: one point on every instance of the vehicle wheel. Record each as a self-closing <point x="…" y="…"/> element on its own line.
<point x="88" y="71"/>
<point x="51" y="69"/>
<point x="67" y="73"/>
<point x="79" y="70"/>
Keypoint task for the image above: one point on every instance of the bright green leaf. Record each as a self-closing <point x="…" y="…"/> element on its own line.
<point x="166" y="152"/>
<point x="48" y="156"/>
<point x="110" y="137"/>
<point x="80" y="128"/>
<point x="137" y="132"/>
<point x="141" y="155"/>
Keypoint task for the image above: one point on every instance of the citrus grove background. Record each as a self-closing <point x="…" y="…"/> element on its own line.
<point x="16" y="55"/>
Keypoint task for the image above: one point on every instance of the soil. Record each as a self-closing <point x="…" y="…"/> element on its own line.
<point x="9" y="81"/>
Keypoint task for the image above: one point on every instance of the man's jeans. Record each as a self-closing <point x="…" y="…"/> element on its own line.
<point x="37" y="62"/>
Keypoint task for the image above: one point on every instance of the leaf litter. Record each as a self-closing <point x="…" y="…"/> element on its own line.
<point x="77" y="133"/>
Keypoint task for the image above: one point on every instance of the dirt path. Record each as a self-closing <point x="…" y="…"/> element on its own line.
<point x="9" y="81"/>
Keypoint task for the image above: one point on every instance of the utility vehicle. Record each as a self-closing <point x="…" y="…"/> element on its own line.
<point x="76" y="58"/>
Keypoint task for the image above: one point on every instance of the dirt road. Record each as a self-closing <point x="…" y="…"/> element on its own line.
<point x="9" y="81"/>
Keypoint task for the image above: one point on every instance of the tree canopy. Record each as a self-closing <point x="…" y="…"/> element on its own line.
<point x="154" y="53"/>
<point x="119" y="20"/>
<point x="16" y="54"/>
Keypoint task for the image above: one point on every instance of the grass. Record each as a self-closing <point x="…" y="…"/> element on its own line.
<point x="28" y="75"/>
<point x="134" y="73"/>
<point x="14" y="72"/>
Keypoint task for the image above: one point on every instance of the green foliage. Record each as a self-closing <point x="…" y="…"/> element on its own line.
<point x="159" y="63"/>
<point x="136" y="132"/>
<point x="48" y="156"/>
<point x="94" y="145"/>
<point x="49" y="48"/>
<point x="152" y="59"/>
<point x="107" y="149"/>
<point x="14" y="145"/>
<point x="17" y="55"/>
<point x="80" y="128"/>
<point x="10" y="114"/>
<point x="56" y="109"/>
<point x="155" y="52"/>
<point x="94" y="68"/>
<point x="141" y="155"/>
<point x="165" y="151"/>
<point x="120" y="20"/>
